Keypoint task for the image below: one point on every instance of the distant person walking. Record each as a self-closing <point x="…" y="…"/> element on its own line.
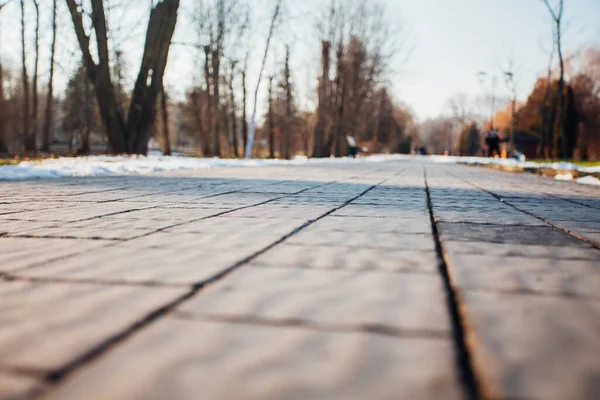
<point x="492" y="141"/>
<point x="352" y="146"/>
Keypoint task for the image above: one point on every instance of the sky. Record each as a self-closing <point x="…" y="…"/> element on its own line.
<point x="455" y="39"/>
<point x="446" y="43"/>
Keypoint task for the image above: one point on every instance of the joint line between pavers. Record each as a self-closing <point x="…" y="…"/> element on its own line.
<point x="471" y="379"/>
<point x="321" y="326"/>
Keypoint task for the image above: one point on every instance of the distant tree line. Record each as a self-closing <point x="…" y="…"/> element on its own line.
<point x="102" y="108"/>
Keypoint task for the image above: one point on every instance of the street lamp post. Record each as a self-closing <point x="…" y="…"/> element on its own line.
<point x="482" y="78"/>
<point x="510" y="82"/>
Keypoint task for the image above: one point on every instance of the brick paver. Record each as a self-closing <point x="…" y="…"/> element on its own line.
<point x="388" y="280"/>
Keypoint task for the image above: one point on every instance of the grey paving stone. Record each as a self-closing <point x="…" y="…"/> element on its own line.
<point x="86" y="233"/>
<point x="404" y="301"/>
<point x="221" y="361"/>
<point x="232" y="225"/>
<point x="348" y="258"/>
<point x="283" y="212"/>
<point x="14" y="386"/>
<point x="513" y="234"/>
<point x="19" y="253"/>
<point x="365" y="224"/>
<point x="523" y="250"/>
<point x="406" y="241"/>
<point x="192" y="263"/>
<point x="380" y="212"/>
<point x="527" y="275"/>
<point x="45" y="326"/>
<point x="534" y="347"/>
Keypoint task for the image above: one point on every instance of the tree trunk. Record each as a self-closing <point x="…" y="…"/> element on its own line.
<point x="129" y="136"/>
<point x="561" y="97"/>
<point x="209" y="110"/>
<point x="85" y="148"/>
<point x="25" y="81"/>
<point x="48" y="119"/>
<point x="274" y="17"/>
<point x="319" y="142"/>
<point x="216" y="64"/>
<point x="271" y="125"/>
<point x="244" y="104"/>
<point x="340" y="149"/>
<point x="288" y="107"/>
<point x="236" y="153"/>
<point x="165" y="123"/>
<point x="3" y="114"/>
<point x="142" y="111"/>
<point x="204" y="142"/>
<point x="32" y="142"/>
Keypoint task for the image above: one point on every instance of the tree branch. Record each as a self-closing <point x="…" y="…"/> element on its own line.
<point x="552" y="12"/>
<point x="82" y="38"/>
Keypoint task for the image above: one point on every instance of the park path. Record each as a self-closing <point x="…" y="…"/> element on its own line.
<point x="397" y="280"/>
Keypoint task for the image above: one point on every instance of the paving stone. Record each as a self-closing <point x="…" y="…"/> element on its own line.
<point x="513" y="234"/>
<point x="405" y="301"/>
<point x="222" y="361"/>
<point x="16" y="386"/>
<point x="283" y="212"/>
<point x="167" y="214"/>
<point x="167" y="265"/>
<point x="406" y="241"/>
<point x="380" y="212"/>
<point x="231" y="225"/>
<point x="11" y="227"/>
<point x="349" y="258"/>
<point x="86" y="233"/>
<point x="527" y="275"/>
<point x="19" y="253"/>
<point x="534" y="347"/>
<point x="45" y="326"/>
<point x="365" y="224"/>
<point x="523" y="250"/>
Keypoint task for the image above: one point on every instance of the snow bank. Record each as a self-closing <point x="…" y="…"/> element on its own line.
<point x="564" y="177"/>
<point x="588" y="180"/>
<point x="136" y="165"/>
<point x="510" y="162"/>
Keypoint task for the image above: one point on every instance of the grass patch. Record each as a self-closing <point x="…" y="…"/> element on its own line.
<point x="8" y="161"/>
<point x="578" y="163"/>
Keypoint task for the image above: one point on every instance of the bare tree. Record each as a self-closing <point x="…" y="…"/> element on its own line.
<point x="244" y="107"/>
<point x="233" y="108"/>
<point x="274" y="19"/>
<point x="557" y="17"/>
<point x="24" y="77"/>
<point x="288" y="106"/>
<point x="49" y="120"/>
<point x="270" y="122"/>
<point x="210" y="114"/>
<point x="319" y="141"/>
<point x="166" y="142"/>
<point x="127" y="135"/>
<point x="31" y="142"/>
<point x="3" y="113"/>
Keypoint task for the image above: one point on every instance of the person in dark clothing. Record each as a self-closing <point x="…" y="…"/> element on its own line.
<point x="352" y="147"/>
<point x="492" y="141"/>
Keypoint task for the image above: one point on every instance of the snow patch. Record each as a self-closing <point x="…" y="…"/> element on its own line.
<point x="564" y="177"/>
<point x="588" y="180"/>
<point x="140" y="165"/>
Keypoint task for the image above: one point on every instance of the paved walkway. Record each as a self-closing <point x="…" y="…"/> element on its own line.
<point x="315" y="282"/>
